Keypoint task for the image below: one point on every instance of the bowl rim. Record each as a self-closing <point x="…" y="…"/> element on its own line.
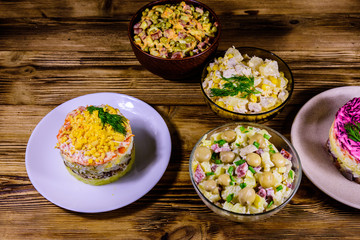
<point x="247" y="215"/>
<point x="160" y="2"/>
<point x="271" y="111"/>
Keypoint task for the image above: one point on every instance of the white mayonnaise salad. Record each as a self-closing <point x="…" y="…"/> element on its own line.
<point x="240" y="170"/>
<point x="242" y="84"/>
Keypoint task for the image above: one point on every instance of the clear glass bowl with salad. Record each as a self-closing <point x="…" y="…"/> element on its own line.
<point x="247" y="84"/>
<point x="245" y="171"/>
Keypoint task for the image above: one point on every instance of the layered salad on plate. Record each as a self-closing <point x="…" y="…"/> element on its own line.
<point x="96" y="144"/>
<point x="344" y="140"/>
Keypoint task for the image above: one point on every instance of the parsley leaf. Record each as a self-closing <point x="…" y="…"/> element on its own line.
<point x="235" y="85"/>
<point x="353" y="131"/>
<point x="117" y="122"/>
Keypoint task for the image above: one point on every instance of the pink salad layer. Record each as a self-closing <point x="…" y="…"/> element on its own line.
<point x="349" y="113"/>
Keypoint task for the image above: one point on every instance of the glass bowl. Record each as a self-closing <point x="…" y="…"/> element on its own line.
<point x="180" y="68"/>
<point x="251" y="117"/>
<point x="277" y="140"/>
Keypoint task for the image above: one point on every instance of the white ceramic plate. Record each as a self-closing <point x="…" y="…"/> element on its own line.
<point x="309" y="134"/>
<point x="49" y="176"/>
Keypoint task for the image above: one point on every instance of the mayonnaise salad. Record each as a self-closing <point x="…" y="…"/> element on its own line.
<point x="240" y="170"/>
<point x="244" y="84"/>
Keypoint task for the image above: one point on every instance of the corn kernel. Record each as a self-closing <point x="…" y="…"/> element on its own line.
<point x="220" y="103"/>
<point x="230" y="108"/>
<point x="215" y="67"/>
<point x="216" y="80"/>
<point x="208" y="69"/>
<point x="274" y="80"/>
<point x="215" y="85"/>
<point x="230" y="55"/>
<point x="253" y="98"/>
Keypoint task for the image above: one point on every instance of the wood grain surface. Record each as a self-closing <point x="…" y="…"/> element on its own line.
<point x="53" y="51"/>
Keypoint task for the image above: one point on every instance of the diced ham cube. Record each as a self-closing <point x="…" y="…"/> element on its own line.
<point x="177" y="55"/>
<point x="262" y="193"/>
<point x="199" y="10"/>
<point x="137" y="30"/>
<point x="286" y="154"/>
<point x="199" y="174"/>
<point x="241" y="170"/>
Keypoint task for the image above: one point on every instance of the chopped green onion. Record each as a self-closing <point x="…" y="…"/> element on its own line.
<point x="256" y="144"/>
<point x="279" y="188"/>
<point x="272" y="151"/>
<point x="231" y="170"/>
<point x="251" y="128"/>
<point x="237" y="144"/>
<point x="252" y="169"/>
<point x="220" y="142"/>
<point x="243" y="185"/>
<point x="267" y="136"/>
<point x="246" y="131"/>
<point x="238" y="163"/>
<point x="229" y="197"/>
<point x="291" y="174"/>
<point x="218" y="161"/>
<point x="232" y="178"/>
<point x="232" y="183"/>
<point x="242" y="128"/>
<point x="214" y="156"/>
<point x="271" y="203"/>
<point x="209" y="173"/>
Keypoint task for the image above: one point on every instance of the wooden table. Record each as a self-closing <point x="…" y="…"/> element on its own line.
<point x="53" y="51"/>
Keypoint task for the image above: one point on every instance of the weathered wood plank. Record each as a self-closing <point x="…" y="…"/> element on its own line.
<point x="126" y="8"/>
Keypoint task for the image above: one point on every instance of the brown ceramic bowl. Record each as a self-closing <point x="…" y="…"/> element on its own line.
<point x="174" y="68"/>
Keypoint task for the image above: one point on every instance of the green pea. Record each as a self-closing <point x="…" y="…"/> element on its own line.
<point x="177" y="44"/>
<point x="177" y="49"/>
<point x="191" y="53"/>
<point x="146" y="49"/>
<point x="183" y="46"/>
<point x="189" y="39"/>
<point x="168" y="24"/>
<point x="214" y="29"/>
<point x="206" y="13"/>
<point x="172" y="43"/>
<point x="156" y="41"/>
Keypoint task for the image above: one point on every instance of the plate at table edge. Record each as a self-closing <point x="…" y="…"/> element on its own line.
<point x="309" y="133"/>
<point x="49" y="176"/>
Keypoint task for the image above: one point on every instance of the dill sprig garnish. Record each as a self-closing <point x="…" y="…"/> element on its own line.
<point x="234" y="86"/>
<point x="353" y="131"/>
<point x="117" y="122"/>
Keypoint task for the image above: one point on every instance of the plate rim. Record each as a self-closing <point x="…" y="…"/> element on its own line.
<point x="294" y="125"/>
<point x="167" y="154"/>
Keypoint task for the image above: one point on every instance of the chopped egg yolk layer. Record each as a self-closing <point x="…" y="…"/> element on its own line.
<point x="85" y="132"/>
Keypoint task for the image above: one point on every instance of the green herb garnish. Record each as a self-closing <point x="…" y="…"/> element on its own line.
<point x="271" y="149"/>
<point x="220" y="142"/>
<point x="214" y="156"/>
<point x="238" y="163"/>
<point x="229" y="197"/>
<point x="267" y="136"/>
<point x="271" y="203"/>
<point x="238" y="145"/>
<point x="117" y="122"/>
<point x="242" y="128"/>
<point x="353" y="131"/>
<point x="231" y="170"/>
<point x="252" y="169"/>
<point x="291" y="174"/>
<point x="243" y="185"/>
<point x="232" y="178"/>
<point x="209" y="173"/>
<point x="218" y="161"/>
<point x="279" y="188"/>
<point x="256" y="144"/>
<point x="234" y="86"/>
